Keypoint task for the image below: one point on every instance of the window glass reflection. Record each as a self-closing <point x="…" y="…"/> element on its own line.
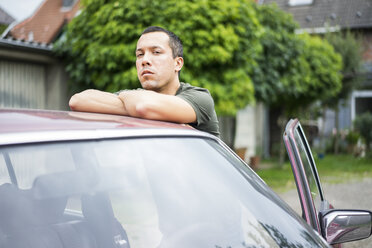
<point x="314" y="190"/>
<point x="150" y="192"/>
<point x="4" y="174"/>
<point x="34" y="161"/>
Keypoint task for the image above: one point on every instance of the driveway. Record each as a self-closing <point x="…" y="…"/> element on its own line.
<point x="351" y="195"/>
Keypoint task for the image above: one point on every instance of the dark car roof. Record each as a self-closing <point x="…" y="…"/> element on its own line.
<point x="25" y="125"/>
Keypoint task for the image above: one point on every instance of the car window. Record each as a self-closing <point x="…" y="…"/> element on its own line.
<point x="4" y="174"/>
<point x="313" y="186"/>
<point x="33" y="161"/>
<point x="148" y="192"/>
<point x="152" y="207"/>
<point x="305" y="173"/>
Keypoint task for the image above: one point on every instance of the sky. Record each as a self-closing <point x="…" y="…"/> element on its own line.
<point x="20" y="9"/>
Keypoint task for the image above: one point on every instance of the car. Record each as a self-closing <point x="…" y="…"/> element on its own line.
<point x="72" y="179"/>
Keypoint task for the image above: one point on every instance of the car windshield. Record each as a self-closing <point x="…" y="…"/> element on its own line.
<point x="140" y="192"/>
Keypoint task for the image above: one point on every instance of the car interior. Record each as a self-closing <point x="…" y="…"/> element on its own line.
<point x="37" y="217"/>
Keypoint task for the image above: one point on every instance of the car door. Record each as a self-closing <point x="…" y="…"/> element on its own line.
<point x="335" y="225"/>
<point x="305" y="173"/>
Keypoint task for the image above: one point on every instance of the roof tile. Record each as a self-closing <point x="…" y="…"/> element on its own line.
<point x="321" y="13"/>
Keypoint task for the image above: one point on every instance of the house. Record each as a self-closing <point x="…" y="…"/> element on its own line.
<point x="46" y="23"/>
<point x="30" y="74"/>
<point x="320" y="16"/>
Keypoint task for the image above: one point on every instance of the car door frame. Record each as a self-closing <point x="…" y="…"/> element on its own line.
<point x="309" y="212"/>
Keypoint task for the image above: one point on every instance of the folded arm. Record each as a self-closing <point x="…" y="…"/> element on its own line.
<point x="98" y="102"/>
<point x="137" y="103"/>
<point x="155" y="106"/>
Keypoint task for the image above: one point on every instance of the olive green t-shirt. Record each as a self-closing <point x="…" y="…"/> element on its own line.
<point x="202" y="102"/>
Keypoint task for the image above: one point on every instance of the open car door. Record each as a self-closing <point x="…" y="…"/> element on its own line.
<point x="336" y="226"/>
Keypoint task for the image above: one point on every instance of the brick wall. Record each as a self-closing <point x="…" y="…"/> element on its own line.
<point x="45" y="23"/>
<point x="367" y="43"/>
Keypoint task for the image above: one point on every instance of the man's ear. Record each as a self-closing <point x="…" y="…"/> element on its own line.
<point x="178" y="63"/>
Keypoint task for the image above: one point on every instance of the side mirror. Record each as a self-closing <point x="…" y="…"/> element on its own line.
<point x="339" y="226"/>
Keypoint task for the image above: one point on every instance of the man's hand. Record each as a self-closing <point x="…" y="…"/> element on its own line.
<point x="156" y="106"/>
<point x="98" y="102"/>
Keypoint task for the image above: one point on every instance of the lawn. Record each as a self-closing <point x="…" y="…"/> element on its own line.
<point x="331" y="169"/>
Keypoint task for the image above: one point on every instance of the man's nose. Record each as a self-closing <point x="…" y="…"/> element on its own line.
<point x="146" y="60"/>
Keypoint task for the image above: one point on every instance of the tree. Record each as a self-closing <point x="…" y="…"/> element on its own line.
<point x="349" y="47"/>
<point x="293" y="71"/>
<point x="220" y="38"/>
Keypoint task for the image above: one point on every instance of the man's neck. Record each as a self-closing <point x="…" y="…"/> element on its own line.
<point x="171" y="88"/>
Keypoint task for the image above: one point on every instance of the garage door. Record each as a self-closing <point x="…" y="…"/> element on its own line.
<point x="22" y="85"/>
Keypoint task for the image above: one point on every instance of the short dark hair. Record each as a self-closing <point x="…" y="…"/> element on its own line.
<point x="175" y="42"/>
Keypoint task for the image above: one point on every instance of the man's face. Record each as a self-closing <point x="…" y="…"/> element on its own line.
<point x="156" y="67"/>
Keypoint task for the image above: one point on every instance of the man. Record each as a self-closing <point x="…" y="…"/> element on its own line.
<point x="163" y="97"/>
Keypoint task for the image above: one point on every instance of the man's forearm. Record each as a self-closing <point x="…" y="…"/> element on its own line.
<point x="152" y="105"/>
<point x="98" y="102"/>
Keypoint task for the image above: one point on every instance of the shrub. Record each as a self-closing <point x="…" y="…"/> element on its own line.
<point x="363" y="124"/>
<point x="352" y="137"/>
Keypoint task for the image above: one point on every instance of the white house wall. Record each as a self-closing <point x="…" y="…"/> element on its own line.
<point x="250" y="126"/>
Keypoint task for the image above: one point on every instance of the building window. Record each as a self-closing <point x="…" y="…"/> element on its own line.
<point x="299" y="2"/>
<point x="67" y="3"/>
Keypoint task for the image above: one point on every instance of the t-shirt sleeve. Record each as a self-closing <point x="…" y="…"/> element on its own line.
<point x="202" y="103"/>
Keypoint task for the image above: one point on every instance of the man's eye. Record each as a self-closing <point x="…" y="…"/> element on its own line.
<point x="139" y="55"/>
<point x="157" y="52"/>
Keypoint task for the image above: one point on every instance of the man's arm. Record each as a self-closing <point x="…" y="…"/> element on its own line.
<point x="98" y="102"/>
<point x="152" y="105"/>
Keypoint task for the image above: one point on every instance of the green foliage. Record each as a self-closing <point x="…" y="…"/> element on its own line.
<point x="320" y="68"/>
<point x="363" y="124"/>
<point x="2" y="28"/>
<point x="220" y="38"/>
<point x="352" y="137"/>
<point x="349" y="46"/>
<point x="280" y="49"/>
<point x="294" y="70"/>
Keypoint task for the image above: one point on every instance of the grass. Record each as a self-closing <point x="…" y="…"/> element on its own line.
<point x="331" y="169"/>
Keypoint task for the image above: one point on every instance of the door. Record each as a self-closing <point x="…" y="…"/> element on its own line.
<point x="305" y="173"/>
<point x="22" y="85"/>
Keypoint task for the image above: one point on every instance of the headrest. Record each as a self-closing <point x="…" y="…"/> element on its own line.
<point x="16" y="208"/>
<point x="77" y="182"/>
<point x="63" y="184"/>
<point x="20" y="210"/>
